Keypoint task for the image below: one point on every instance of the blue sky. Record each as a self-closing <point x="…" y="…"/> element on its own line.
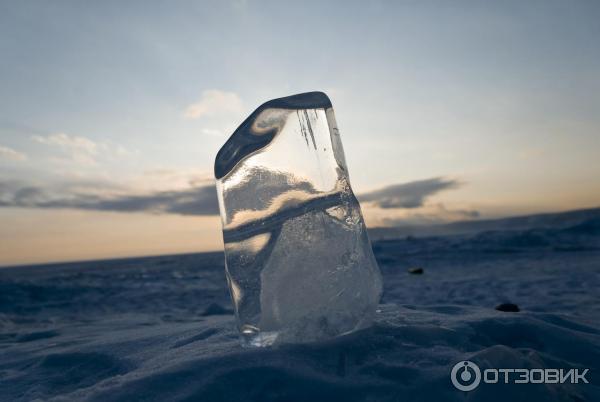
<point x="500" y="99"/>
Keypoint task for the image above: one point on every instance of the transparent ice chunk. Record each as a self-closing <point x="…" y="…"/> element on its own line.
<point x="298" y="259"/>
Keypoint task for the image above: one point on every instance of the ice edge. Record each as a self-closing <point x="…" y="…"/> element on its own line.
<point x="242" y="142"/>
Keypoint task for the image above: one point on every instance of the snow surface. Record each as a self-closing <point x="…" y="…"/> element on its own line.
<point x="162" y="328"/>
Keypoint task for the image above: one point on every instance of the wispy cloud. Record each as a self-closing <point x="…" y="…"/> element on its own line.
<point x="9" y="153"/>
<point x="78" y="149"/>
<point x="81" y="150"/>
<point x="68" y="142"/>
<point x="213" y="103"/>
<point x="407" y="195"/>
<point x="200" y="200"/>
<point x="427" y="215"/>
<point x="197" y="196"/>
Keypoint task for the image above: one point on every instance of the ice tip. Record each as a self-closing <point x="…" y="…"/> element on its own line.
<point x="305" y="100"/>
<point x="243" y="142"/>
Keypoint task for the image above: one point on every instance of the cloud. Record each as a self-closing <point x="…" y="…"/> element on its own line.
<point x="81" y="150"/>
<point x="78" y="149"/>
<point x="427" y="215"/>
<point x="9" y="153"/>
<point x="195" y="195"/>
<point x="215" y="102"/>
<point x="200" y="200"/>
<point x="407" y="195"/>
<point x="68" y="142"/>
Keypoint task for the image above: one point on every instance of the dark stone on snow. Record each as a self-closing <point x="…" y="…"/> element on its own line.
<point x="508" y="307"/>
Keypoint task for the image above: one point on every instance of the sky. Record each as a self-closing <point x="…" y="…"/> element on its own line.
<point x="111" y="113"/>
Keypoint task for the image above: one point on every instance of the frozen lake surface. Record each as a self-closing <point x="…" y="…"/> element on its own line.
<point x="162" y="328"/>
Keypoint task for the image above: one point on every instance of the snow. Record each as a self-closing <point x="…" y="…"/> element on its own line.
<point x="162" y="328"/>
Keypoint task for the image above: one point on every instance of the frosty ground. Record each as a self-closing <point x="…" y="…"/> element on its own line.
<point x="162" y="328"/>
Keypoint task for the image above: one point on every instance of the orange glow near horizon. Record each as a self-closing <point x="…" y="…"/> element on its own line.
<point x="43" y="236"/>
